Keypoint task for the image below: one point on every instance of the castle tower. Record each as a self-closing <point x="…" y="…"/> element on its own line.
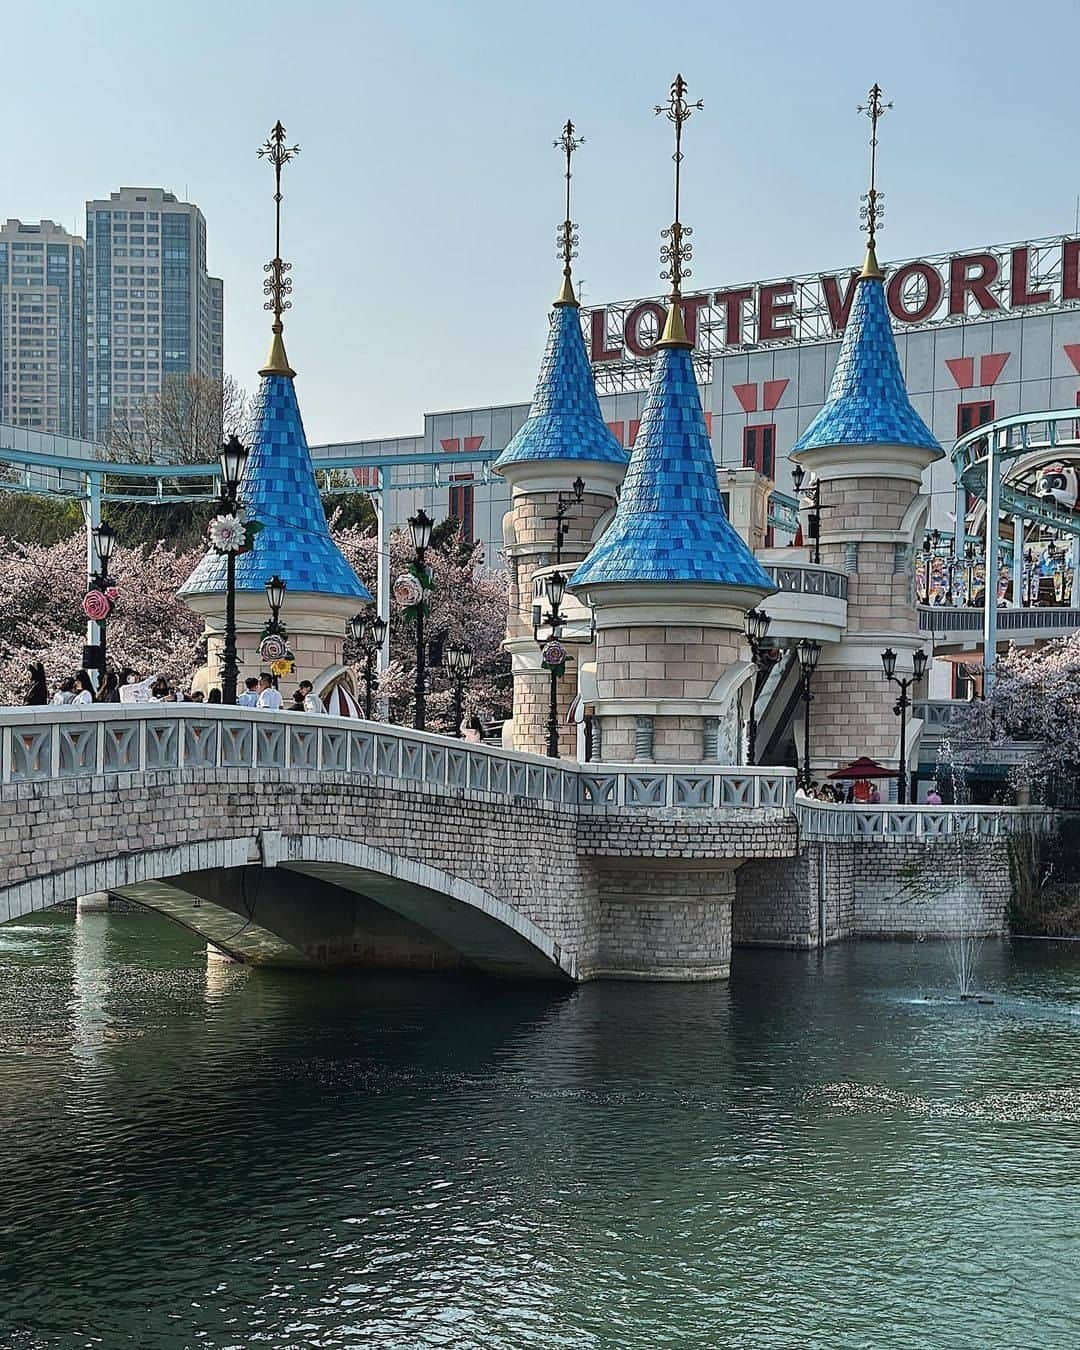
<point x="868" y="448"/>
<point x="671" y="580"/>
<point x="564" y="439"/>
<point x="278" y="489"/>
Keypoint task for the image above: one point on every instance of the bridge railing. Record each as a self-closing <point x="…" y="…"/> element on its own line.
<point x="65" y="743"/>
<point x="685" y="786"/>
<point x="824" y="820"/>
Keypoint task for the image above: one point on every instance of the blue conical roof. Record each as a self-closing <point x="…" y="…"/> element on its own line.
<point x="279" y="490"/>
<point x="565" y="421"/>
<point x="868" y="401"/>
<point x="670" y="523"/>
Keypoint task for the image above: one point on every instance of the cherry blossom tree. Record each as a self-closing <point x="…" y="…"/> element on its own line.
<point x="1035" y="697"/>
<point x="41" y="591"/>
<point x="467" y="604"/>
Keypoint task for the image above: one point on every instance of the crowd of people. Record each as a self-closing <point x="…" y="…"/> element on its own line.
<point x="129" y="686"/>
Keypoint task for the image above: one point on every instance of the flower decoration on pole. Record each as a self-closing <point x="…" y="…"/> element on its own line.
<point x="553" y="657"/>
<point x="411" y="592"/>
<point x="97" y="605"/>
<point x="233" y="533"/>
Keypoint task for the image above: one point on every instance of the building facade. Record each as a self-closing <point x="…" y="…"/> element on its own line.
<point x="42" y="328"/>
<point x="979" y="335"/>
<point x="152" y="308"/>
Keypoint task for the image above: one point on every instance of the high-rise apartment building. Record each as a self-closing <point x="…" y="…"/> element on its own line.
<point x="152" y="309"/>
<point x="42" y="327"/>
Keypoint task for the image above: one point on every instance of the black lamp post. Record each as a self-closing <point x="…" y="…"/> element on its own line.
<point x="420" y="525"/>
<point x="458" y="659"/>
<point x="275" y="597"/>
<point x="930" y="543"/>
<point x="104" y="543"/>
<point x="232" y="459"/>
<point x="808" y="652"/>
<point x="756" y="626"/>
<point x="368" y="632"/>
<point x="813" y="501"/>
<point x="554" y="590"/>
<point x="562" y="507"/>
<point x="919" y="661"/>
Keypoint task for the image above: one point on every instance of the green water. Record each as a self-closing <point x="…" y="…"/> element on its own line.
<point x="824" y="1153"/>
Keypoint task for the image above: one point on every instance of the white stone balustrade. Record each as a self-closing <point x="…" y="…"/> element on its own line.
<point x="826" y="820"/>
<point x="61" y="742"/>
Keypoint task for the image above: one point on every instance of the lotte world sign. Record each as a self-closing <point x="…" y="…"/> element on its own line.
<point x="1010" y="277"/>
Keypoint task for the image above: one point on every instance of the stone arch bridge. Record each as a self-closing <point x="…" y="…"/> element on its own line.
<point x="293" y="840"/>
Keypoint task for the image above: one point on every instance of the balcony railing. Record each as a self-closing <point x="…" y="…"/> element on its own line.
<point x="945" y="619"/>
<point x="808" y="580"/>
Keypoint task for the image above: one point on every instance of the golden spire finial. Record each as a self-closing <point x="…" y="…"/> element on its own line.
<point x="872" y="210"/>
<point x="675" y="252"/>
<point x="567" y="240"/>
<point x="278" y="284"/>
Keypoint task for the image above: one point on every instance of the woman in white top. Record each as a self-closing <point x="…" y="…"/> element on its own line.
<point x="83" y="693"/>
<point x="66" y="692"/>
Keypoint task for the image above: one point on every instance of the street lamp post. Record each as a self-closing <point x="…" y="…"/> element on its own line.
<point x="458" y="659"/>
<point x="756" y="626"/>
<point x="562" y="507"/>
<point x="420" y="525"/>
<point x="931" y="540"/>
<point x="104" y="543"/>
<point x="232" y="459"/>
<point x="368" y="632"/>
<point x="554" y="590"/>
<point x="275" y="597"/>
<point x="808" y="652"/>
<point x="919" y="661"/>
<point x="813" y="501"/>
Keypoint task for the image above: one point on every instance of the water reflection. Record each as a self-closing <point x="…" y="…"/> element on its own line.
<point x="823" y="1152"/>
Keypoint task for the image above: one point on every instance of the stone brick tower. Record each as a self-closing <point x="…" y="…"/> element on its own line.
<point x="279" y="490"/>
<point x="564" y="438"/>
<point x="868" y="448"/>
<point x="670" y="580"/>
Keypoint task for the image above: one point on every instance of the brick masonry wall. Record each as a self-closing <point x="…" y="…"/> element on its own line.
<point x="532" y="521"/>
<point x="663" y="922"/>
<point x="788" y="903"/>
<point x="532" y="699"/>
<point x="666" y="661"/>
<point x="934" y="889"/>
<point x="874" y="889"/>
<point x="765" y="833"/>
<point x="852" y="714"/>
<point x="523" y="853"/>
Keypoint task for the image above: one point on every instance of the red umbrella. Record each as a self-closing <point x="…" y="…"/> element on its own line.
<point x="864" y="767"/>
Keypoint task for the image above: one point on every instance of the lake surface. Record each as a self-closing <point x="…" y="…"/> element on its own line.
<point x="824" y="1153"/>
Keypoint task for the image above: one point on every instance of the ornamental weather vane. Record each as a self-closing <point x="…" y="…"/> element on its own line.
<point x="278" y="284"/>
<point x="872" y="211"/>
<point x="567" y="240"/>
<point x="675" y="252"/>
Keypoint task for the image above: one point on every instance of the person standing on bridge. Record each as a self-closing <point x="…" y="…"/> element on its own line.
<point x="269" y="697"/>
<point x="312" y="702"/>
<point x="250" y="697"/>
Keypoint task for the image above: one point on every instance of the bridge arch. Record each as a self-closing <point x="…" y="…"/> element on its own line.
<point x="359" y="905"/>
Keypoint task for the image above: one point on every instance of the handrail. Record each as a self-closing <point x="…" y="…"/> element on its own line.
<point x="61" y="742"/>
<point x="826" y="820"/>
<point x="943" y="619"/>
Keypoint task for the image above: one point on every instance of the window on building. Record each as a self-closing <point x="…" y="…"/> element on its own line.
<point x="972" y="415"/>
<point x="462" y="491"/>
<point x="759" y="449"/>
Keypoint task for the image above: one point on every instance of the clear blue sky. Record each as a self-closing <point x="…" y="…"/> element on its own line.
<point x="421" y="216"/>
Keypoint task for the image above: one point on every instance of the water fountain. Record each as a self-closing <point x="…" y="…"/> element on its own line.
<point x="966" y="944"/>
